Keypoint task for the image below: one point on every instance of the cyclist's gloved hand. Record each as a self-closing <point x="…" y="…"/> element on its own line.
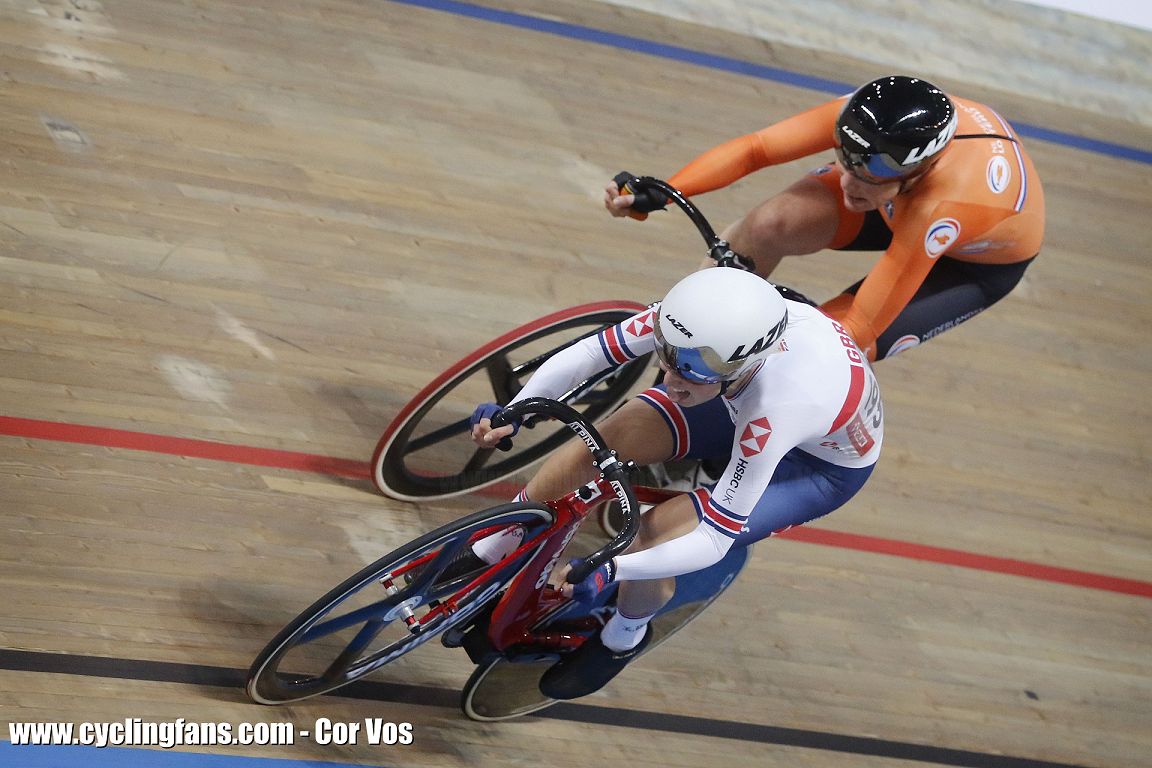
<point x="487" y="411"/>
<point x="646" y="200"/>
<point x="594" y="583"/>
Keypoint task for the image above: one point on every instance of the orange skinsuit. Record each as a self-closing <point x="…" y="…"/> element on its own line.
<point x="980" y="202"/>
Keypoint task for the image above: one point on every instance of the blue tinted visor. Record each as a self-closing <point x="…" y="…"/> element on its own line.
<point x="702" y="365"/>
<point x="699" y="365"/>
<point x="691" y="364"/>
<point x="876" y="167"/>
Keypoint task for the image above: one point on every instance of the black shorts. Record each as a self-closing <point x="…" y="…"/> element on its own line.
<point x="953" y="291"/>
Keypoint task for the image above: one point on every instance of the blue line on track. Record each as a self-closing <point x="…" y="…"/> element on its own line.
<point x="737" y="66"/>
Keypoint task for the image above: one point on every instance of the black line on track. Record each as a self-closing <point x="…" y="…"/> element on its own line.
<point x="647" y="720"/>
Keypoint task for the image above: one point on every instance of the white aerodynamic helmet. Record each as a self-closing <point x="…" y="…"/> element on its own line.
<point x="717" y="323"/>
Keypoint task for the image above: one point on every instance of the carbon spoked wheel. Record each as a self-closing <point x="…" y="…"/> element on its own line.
<point x="425" y="452"/>
<point x="393" y="606"/>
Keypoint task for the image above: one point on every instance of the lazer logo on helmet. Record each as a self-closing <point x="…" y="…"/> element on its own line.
<point x="855" y="137"/>
<point x="678" y="325"/>
<point x="762" y="343"/>
<point x="920" y="153"/>
<point x="759" y="346"/>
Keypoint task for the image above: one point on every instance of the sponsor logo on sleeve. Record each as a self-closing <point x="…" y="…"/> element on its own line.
<point x="640" y="326"/>
<point x="983" y="246"/>
<point x="999" y="174"/>
<point x="941" y="234"/>
<point x="755" y="437"/>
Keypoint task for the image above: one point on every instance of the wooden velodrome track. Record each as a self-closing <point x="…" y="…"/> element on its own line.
<point x="235" y="237"/>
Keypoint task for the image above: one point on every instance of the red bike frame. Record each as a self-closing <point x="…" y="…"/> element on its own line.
<point x="531" y="599"/>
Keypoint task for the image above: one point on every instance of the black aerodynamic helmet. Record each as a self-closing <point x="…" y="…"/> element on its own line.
<point x="894" y="128"/>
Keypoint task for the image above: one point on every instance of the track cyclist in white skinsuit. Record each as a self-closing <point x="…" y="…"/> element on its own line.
<point x="777" y="385"/>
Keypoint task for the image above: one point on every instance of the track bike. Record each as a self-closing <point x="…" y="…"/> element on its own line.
<point x="508" y="616"/>
<point x="418" y="456"/>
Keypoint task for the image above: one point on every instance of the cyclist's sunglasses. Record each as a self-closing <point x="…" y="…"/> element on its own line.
<point x="701" y="365"/>
<point x="875" y="167"/>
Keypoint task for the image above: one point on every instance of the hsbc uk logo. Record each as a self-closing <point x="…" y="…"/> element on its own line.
<point x="755" y="437"/>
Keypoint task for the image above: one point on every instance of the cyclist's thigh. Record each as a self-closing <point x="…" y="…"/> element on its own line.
<point x="666" y="521"/>
<point x="802" y="489"/>
<point x="953" y="292"/>
<point x="636" y="431"/>
<point x="639" y="432"/>
<point x="806" y="217"/>
<point x="872" y="234"/>
<point x="701" y="432"/>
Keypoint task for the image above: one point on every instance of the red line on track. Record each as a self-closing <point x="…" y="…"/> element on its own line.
<point x="182" y="446"/>
<point x="326" y="465"/>
<point x="968" y="560"/>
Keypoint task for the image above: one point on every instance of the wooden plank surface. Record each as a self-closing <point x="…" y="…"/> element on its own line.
<point x="268" y="224"/>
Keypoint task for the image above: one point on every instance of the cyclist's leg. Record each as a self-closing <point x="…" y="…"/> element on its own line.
<point x="873" y="235"/>
<point x="626" y="635"/>
<point x="806" y="217"/>
<point x="953" y="292"/>
<point x="636" y="431"/>
<point x="703" y="431"/>
<point x="802" y="489"/>
<point x="664" y="522"/>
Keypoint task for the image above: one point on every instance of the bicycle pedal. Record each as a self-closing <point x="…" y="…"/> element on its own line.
<point x="457" y="637"/>
<point x="472" y="637"/>
<point x="476" y="644"/>
<point x="453" y="638"/>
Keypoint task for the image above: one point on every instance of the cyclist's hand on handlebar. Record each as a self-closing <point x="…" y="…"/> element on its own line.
<point x="620" y="204"/>
<point x="482" y="432"/>
<point x="621" y="200"/>
<point x="592" y="585"/>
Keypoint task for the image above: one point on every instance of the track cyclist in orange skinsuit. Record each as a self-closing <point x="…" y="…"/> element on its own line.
<point x="940" y="184"/>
